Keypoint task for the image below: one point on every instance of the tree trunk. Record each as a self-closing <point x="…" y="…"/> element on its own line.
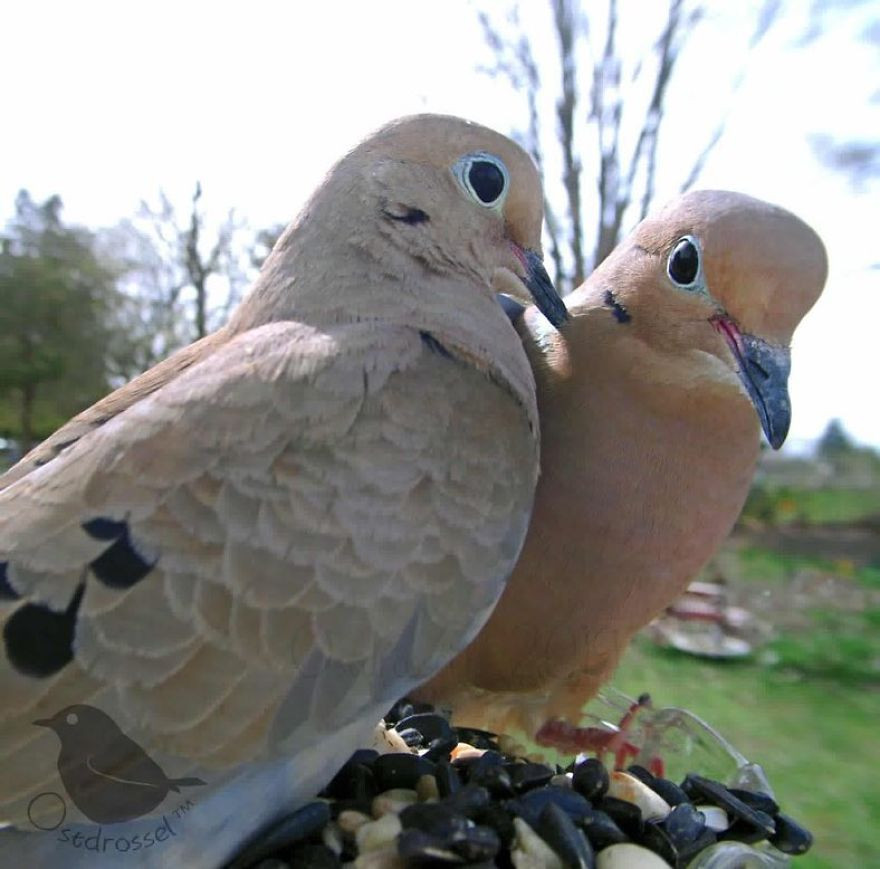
<point x="26" y="417"/>
<point x="201" y="309"/>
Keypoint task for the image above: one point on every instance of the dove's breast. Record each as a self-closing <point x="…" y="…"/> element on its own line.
<point x="438" y="473"/>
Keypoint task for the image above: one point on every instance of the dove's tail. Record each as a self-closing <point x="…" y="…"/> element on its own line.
<point x="176" y="784"/>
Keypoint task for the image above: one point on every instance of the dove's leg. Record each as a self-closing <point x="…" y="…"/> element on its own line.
<point x="571" y="739"/>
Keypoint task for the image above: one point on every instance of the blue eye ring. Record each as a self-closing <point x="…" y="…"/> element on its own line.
<point x="685" y="263"/>
<point x="484" y="177"/>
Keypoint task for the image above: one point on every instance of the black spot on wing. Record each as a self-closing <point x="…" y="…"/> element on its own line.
<point x="7" y="592"/>
<point x="39" y="641"/>
<point x="120" y="565"/>
<point x="104" y="529"/>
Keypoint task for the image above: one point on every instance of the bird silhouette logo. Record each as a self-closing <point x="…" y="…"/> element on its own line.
<point x="107" y="775"/>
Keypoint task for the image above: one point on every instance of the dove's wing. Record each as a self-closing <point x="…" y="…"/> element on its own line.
<point x="296" y="529"/>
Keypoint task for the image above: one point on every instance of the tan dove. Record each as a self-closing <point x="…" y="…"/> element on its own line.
<point x="651" y="398"/>
<point x="244" y="556"/>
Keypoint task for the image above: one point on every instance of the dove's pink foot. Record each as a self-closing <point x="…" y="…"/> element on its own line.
<point x="570" y="739"/>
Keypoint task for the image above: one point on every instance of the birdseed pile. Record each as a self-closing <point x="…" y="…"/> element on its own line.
<point x="457" y="799"/>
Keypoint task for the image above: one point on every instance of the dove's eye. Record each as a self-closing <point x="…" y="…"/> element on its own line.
<point x="484" y="177"/>
<point x="72" y="719"/>
<point x="683" y="265"/>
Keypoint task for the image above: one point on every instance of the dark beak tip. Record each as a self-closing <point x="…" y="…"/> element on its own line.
<point x="764" y="369"/>
<point x="547" y="299"/>
<point x="777" y="438"/>
<point x="775" y="422"/>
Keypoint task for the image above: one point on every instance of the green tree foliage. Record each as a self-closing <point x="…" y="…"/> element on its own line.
<point x="835" y="441"/>
<point x="57" y="308"/>
<point x="858" y="465"/>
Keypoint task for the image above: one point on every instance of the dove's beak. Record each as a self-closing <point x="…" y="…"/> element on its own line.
<point x="43" y="722"/>
<point x="540" y="286"/>
<point x="763" y="369"/>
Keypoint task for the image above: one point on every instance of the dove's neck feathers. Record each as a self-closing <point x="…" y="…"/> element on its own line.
<point x="664" y="426"/>
<point x="378" y="276"/>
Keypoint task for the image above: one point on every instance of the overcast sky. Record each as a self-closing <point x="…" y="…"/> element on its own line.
<point x="106" y="102"/>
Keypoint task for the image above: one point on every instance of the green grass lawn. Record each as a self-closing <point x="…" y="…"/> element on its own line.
<point x="842" y="642"/>
<point x="783" y="504"/>
<point x="767" y="567"/>
<point x="806" y="706"/>
<point x="837" y="505"/>
<point x="816" y="740"/>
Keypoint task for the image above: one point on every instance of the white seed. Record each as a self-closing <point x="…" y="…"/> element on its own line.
<point x="388" y="741"/>
<point x="627" y="787"/>
<point x="563" y="780"/>
<point x="466" y="750"/>
<point x="629" y="856"/>
<point x="378" y="834"/>
<point x="393" y="800"/>
<point x="530" y="851"/>
<point x="350" y="821"/>
<point x="716" y="818"/>
<point x="426" y="788"/>
<point x="331" y="836"/>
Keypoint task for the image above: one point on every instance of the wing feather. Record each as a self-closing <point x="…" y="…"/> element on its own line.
<point x="321" y="515"/>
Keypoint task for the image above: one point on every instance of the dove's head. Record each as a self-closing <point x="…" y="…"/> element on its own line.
<point x="427" y="199"/>
<point x="460" y="196"/>
<point x="720" y="281"/>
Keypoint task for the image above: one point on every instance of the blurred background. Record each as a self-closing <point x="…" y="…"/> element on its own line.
<point x="152" y="153"/>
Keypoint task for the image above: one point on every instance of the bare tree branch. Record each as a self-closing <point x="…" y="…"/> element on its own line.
<point x="669" y="48"/>
<point x="186" y="288"/>
<point x="564" y="20"/>
<point x="766" y="18"/>
<point x="516" y="62"/>
<point x="606" y="88"/>
<point x="196" y="269"/>
<point x="699" y="164"/>
<point x="626" y="112"/>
